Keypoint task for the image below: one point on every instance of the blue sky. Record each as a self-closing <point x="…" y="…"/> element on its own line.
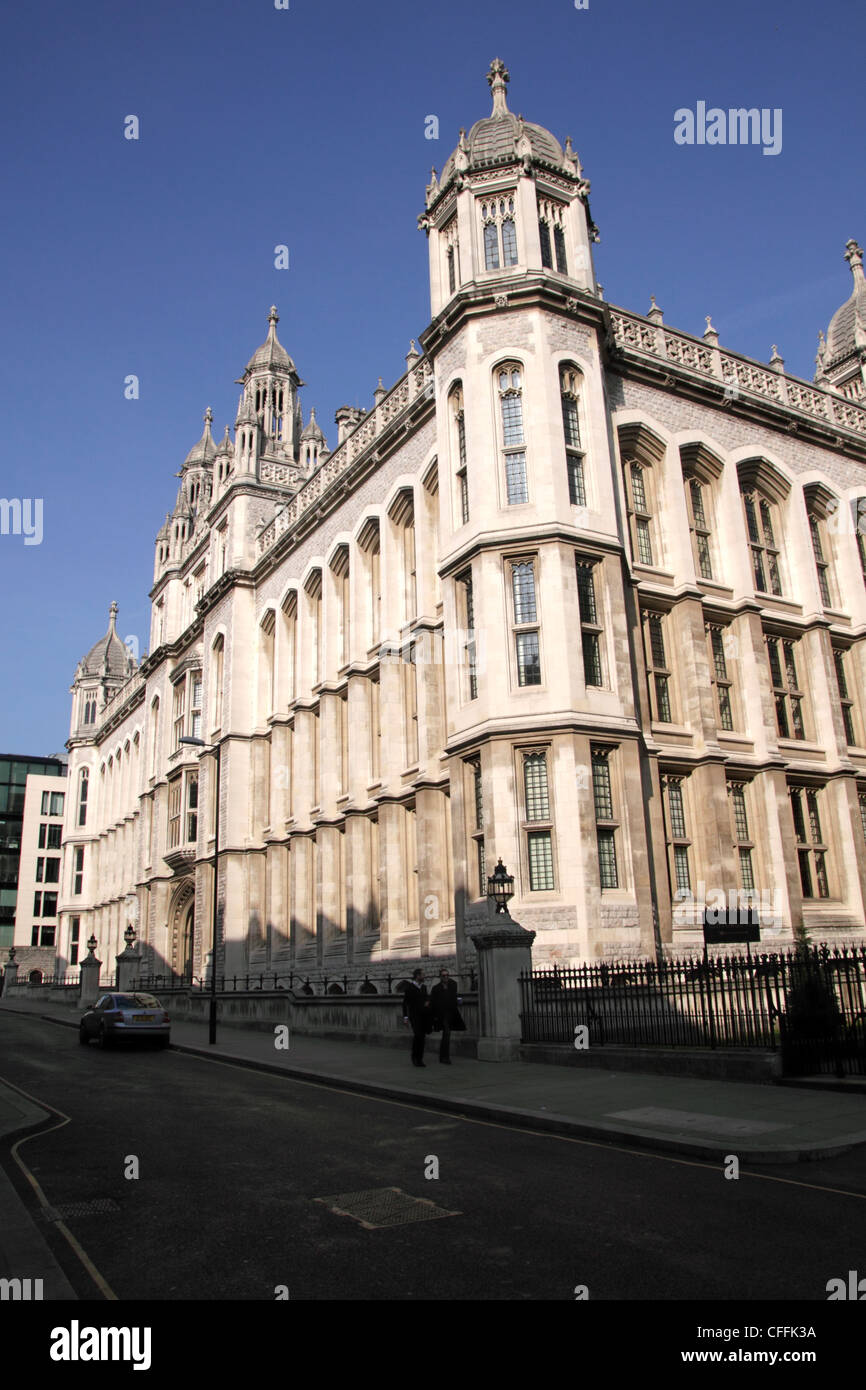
<point x="306" y="127"/>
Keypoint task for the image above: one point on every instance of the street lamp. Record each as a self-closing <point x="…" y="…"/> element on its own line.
<point x="212" y="1018"/>
<point x="129" y="935"/>
<point x="92" y="944"/>
<point x="500" y="887"/>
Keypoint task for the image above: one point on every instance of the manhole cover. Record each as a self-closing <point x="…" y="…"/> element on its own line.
<point x="98" y="1207"/>
<point x="383" y="1206"/>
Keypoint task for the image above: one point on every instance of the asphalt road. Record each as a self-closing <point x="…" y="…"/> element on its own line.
<point x="231" y="1162"/>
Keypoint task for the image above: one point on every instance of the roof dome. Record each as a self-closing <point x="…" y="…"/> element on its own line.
<point x="271" y="353"/>
<point x="847" y="331"/>
<point x="502" y="136"/>
<point x="204" y="450"/>
<point x="109" y="656"/>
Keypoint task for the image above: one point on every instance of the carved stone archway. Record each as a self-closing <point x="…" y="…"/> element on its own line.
<point x="184" y="946"/>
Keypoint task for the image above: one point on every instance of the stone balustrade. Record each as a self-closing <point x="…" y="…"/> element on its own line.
<point x="361" y="439"/>
<point x="737" y="374"/>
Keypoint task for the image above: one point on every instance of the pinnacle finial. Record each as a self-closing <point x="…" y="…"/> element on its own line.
<point x="854" y="257"/>
<point x="112" y="616"/>
<point x="273" y="317"/>
<point x="208" y="418"/>
<point x="498" y="78"/>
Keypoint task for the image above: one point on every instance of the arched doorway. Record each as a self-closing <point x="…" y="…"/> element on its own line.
<point x="183" y="942"/>
<point x="187" y="942"/>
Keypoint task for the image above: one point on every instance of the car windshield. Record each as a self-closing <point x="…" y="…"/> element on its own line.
<point x="136" y="1001"/>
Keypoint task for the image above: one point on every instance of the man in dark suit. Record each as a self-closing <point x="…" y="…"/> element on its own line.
<point x="416" y="1013"/>
<point x="446" y="1015"/>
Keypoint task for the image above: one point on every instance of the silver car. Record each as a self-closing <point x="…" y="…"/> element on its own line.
<point x="118" y="1016"/>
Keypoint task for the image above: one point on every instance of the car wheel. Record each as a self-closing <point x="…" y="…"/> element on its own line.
<point x="83" y="1036"/>
<point x="163" y="1043"/>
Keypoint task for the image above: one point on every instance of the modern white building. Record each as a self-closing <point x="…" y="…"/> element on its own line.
<point x="579" y="591"/>
<point x="39" y="869"/>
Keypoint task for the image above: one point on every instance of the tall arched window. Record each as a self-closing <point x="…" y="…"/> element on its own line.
<point x="569" y="387"/>
<point x="764" y="490"/>
<point x="551" y="217"/>
<point x="509" y="381"/>
<point x="266" y="665"/>
<point x="500" y="234"/>
<point x="459" y="445"/>
<point x="288" y="658"/>
<point x="216" y="676"/>
<point x="83" y="783"/>
<point x="154" y="737"/>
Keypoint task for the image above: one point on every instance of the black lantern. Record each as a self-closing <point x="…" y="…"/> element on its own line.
<point x="500" y="887"/>
<point x="92" y="944"/>
<point x="129" y="935"/>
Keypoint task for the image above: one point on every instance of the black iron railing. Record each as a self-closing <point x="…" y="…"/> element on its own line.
<point x="810" y="1002"/>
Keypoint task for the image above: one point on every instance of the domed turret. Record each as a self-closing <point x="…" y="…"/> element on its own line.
<point x="108" y="656"/>
<point x="105" y="668"/>
<point x="842" y="359"/>
<point x="510" y="201"/>
<point x="501" y="136"/>
<point x="267" y="424"/>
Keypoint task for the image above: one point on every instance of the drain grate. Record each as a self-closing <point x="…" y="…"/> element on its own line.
<point x="383" y="1206"/>
<point x="98" y="1207"/>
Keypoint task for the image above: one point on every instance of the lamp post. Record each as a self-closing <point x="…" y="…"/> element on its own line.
<point x="500" y="888"/>
<point x="216" y="749"/>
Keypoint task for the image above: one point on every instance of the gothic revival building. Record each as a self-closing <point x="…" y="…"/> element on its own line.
<point x="579" y="591"/>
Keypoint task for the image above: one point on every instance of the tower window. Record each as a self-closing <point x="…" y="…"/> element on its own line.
<point x="537" y="814"/>
<point x="551" y="217"/>
<point x="475" y="801"/>
<point x="590" y="628"/>
<point x="468" y="615"/>
<point x="606" y="824"/>
<point x="460" y="442"/>
<point x="511" y="408"/>
<point x="569" y="380"/>
<point x="500" y="233"/>
<point x="525" y="622"/>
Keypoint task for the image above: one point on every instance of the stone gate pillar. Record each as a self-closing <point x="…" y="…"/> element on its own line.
<point x="504" y="953"/>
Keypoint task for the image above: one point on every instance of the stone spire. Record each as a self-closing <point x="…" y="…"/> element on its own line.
<point x="498" y="79"/>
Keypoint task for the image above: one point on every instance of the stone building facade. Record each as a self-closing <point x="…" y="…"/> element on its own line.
<point x="580" y="592"/>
